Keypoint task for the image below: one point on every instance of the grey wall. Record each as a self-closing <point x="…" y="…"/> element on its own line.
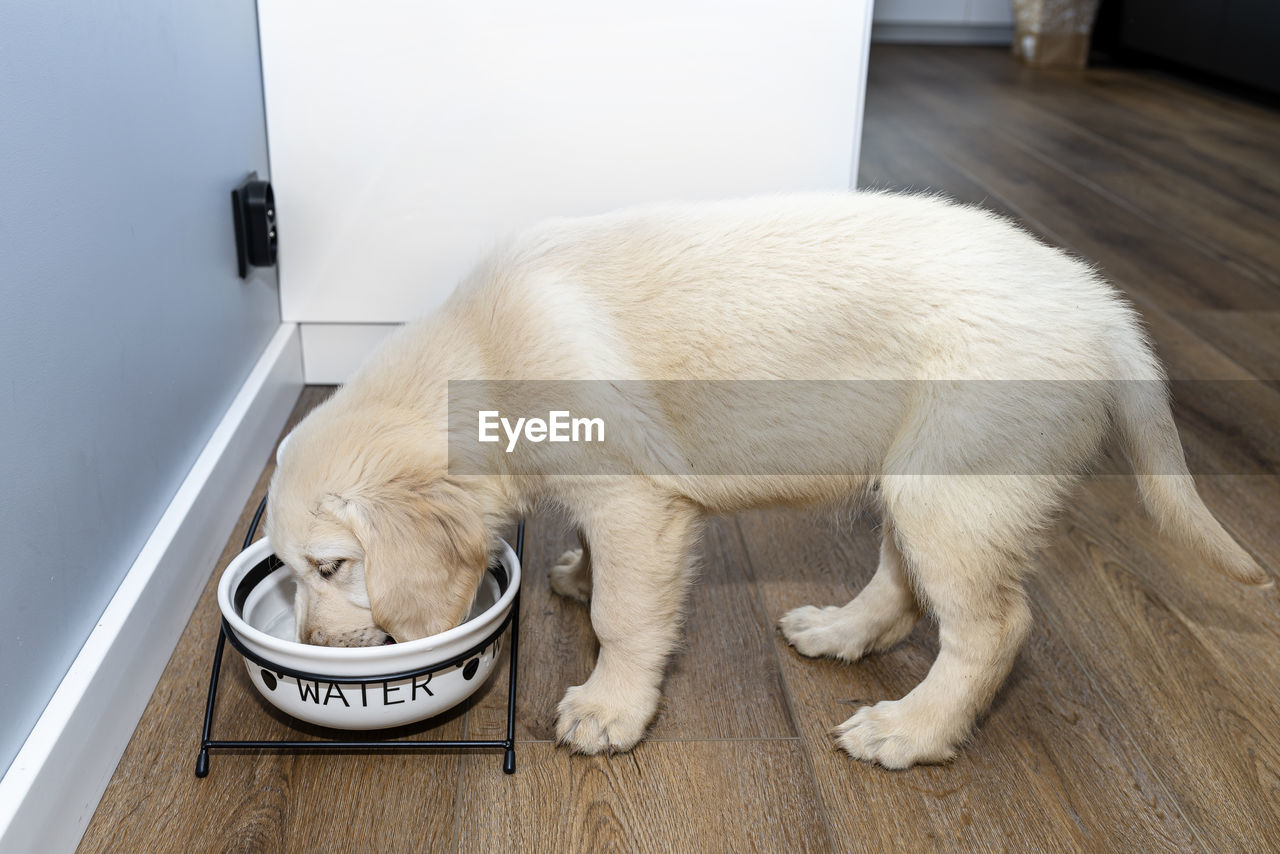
<point x="124" y="329"/>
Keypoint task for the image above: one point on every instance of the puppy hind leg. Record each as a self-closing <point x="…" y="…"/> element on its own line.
<point x="640" y="557"/>
<point x="570" y="577"/>
<point x="971" y="581"/>
<point x="879" y="617"/>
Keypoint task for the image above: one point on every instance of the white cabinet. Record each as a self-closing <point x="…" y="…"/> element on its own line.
<point x="408" y="137"/>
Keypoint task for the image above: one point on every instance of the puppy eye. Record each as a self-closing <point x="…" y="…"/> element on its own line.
<point x="328" y="569"/>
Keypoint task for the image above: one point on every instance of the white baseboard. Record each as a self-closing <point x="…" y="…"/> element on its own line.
<point x="972" y="34"/>
<point x="53" y="786"/>
<point x="331" y="352"/>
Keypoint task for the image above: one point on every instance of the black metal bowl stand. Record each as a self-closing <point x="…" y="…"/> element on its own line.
<point x="508" y="744"/>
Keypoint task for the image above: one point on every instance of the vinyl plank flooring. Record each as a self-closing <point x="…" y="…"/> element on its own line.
<point x="1188" y="661"/>
<point x="728" y="795"/>
<point x="1247" y="338"/>
<point x="1049" y="748"/>
<point x="1210" y="140"/>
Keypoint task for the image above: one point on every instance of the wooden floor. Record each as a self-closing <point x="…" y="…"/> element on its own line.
<point x="1144" y="712"/>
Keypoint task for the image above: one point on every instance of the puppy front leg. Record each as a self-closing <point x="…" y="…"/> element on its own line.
<point x="640" y="567"/>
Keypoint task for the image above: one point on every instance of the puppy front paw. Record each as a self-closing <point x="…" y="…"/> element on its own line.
<point x="594" y="721"/>
<point x="571" y="576"/>
<point x="895" y="734"/>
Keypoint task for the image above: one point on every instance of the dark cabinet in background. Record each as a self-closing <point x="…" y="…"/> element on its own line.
<point x="1235" y="39"/>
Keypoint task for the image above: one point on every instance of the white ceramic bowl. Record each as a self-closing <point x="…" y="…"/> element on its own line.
<point x="256" y="598"/>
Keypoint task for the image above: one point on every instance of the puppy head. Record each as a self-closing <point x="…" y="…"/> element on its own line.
<point x="382" y="546"/>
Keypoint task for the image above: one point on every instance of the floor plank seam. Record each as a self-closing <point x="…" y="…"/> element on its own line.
<point x="464" y="762"/>
<point x="783" y="687"/>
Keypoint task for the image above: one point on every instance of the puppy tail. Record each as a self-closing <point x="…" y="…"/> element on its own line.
<point x="1151" y="443"/>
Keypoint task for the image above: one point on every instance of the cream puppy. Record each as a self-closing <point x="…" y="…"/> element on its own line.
<point x="977" y="371"/>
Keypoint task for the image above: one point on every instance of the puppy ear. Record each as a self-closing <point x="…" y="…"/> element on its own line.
<point x="425" y="551"/>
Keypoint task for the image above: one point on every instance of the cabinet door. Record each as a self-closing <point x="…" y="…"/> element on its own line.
<point x="409" y="137"/>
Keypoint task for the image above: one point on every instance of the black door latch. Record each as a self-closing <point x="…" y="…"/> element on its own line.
<point x="254" y="207"/>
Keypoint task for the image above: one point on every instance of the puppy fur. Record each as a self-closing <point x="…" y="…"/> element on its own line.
<point x="385" y="540"/>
